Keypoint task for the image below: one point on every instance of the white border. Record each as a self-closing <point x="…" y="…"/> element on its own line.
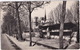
<point x="39" y="0"/>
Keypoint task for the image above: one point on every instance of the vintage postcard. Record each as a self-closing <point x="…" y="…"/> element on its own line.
<point x="39" y="25"/>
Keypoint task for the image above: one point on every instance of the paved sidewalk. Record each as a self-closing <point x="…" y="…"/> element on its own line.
<point x="24" y="45"/>
<point x="52" y="43"/>
<point x="5" y="43"/>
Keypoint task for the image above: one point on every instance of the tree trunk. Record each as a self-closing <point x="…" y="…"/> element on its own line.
<point x="18" y="23"/>
<point x="62" y="25"/>
<point x="78" y="22"/>
<point x="8" y="29"/>
<point x="29" y="8"/>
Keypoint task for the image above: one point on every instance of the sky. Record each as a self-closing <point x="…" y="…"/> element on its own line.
<point x="40" y="12"/>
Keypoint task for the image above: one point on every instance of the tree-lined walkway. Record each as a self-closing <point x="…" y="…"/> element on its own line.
<point x="51" y="43"/>
<point x="5" y="43"/>
<point x="24" y="45"/>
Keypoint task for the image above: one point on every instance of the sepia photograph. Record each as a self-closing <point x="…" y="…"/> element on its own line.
<point x="39" y="25"/>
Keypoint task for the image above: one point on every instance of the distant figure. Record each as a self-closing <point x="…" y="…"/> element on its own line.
<point x="42" y="21"/>
<point x="17" y="36"/>
<point x="37" y="31"/>
<point x="48" y="33"/>
<point x="41" y="34"/>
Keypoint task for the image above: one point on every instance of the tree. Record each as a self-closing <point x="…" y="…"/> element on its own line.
<point x="77" y="21"/>
<point x="18" y="19"/>
<point x="69" y="16"/>
<point x="55" y="14"/>
<point x="31" y="5"/>
<point x="62" y="17"/>
<point x="8" y="23"/>
<point x="75" y="12"/>
<point x="51" y="17"/>
<point x="30" y="10"/>
<point x="58" y="13"/>
<point x="16" y="7"/>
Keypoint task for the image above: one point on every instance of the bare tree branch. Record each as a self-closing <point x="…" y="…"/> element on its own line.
<point x="24" y="7"/>
<point x="11" y="6"/>
<point x="20" y="4"/>
<point x="37" y="6"/>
